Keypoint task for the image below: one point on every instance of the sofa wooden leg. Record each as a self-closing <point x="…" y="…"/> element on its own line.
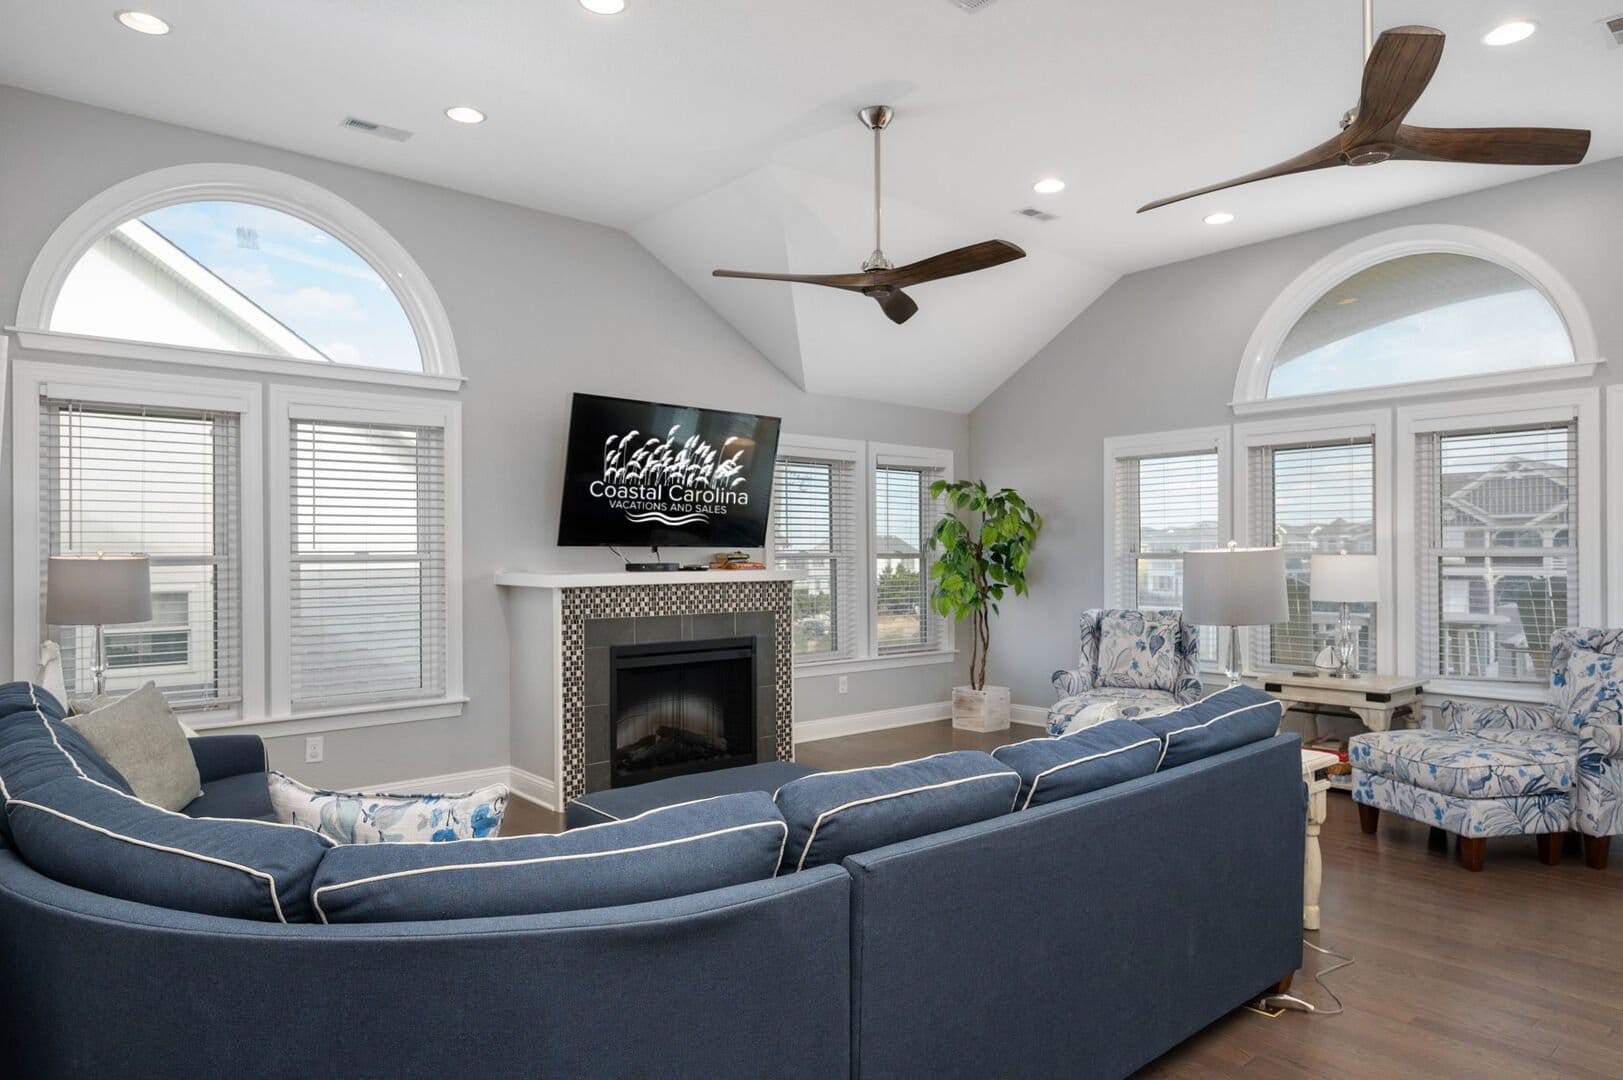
<point x="1283" y="986"/>
<point x="1596" y="851"/>
<point x="1473" y="852"/>
<point x="1549" y="848"/>
<point x="1368" y="817"/>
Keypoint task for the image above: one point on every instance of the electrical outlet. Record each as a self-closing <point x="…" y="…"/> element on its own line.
<point x="315" y="749"/>
<point x="845" y="683"/>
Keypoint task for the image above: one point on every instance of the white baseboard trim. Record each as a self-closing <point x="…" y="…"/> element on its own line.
<point x="525" y="785"/>
<point x="1034" y="715"/>
<point x="832" y="727"/>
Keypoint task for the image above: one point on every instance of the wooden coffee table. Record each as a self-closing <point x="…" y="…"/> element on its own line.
<point x="1377" y="700"/>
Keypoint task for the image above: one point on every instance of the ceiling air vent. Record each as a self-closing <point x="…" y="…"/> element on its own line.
<point x="1036" y="215"/>
<point x="382" y="131"/>
<point x="971" y="5"/>
<point x="1615" y="28"/>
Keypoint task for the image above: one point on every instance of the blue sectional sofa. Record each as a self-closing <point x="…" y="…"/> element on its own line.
<point x="1079" y="938"/>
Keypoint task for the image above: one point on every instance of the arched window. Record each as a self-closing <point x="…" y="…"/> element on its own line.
<point x="1417" y="309"/>
<point x="237" y="266"/>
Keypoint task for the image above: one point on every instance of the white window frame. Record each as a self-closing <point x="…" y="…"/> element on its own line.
<point x="288" y="403"/>
<point x="1373" y="424"/>
<point x="1614" y="507"/>
<point x="1522" y="409"/>
<point x="1256" y="364"/>
<point x="926" y="457"/>
<point x="136" y="389"/>
<point x="261" y="187"/>
<point x="855" y="452"/>
<point x="1197" y="440"/>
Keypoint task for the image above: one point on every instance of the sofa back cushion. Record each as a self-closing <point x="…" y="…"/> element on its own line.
<point x="835" y="814"/>
<point x="1096" y="757"/>
<point x="688" y="848"/>
<point x="1138" y="650"/>
<point x="1218" y="722"/>
<point x="36" y="747"/>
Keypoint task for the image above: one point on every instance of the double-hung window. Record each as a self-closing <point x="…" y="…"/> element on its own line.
<point x="816" y="534"/>
<point x="904" y="518"/>
<point x="1313" y="498"/>
<point x="366" y="554"/>
<point x="1164" y="495"/>
<point x="1502" y="503"/>
<point x="121" y="467"/>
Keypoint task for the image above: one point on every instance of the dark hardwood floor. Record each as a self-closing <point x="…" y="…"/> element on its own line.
<point x="1513" y="972"/>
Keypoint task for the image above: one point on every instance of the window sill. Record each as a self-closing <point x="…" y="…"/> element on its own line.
<point x="1520" y="693"/>
<point x="86" y="345"/>
<point x="814" y="669"/>
<point x="342" y="719"/>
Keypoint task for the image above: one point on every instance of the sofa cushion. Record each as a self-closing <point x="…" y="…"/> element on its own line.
<point x="141" y="737"/>
<point x="1096" y="757"/>
<point x="835" y="814"/>
<point x="1222" y="721"/>
<point x="1138" y="650"/>
<point x="361" y="817"/>
<point x="1513" y="764"/>
<point x="673" y="851"/>
<point x="37" y="746"/>
<point x="618" y="804"/>
<point x="1591" y="693"/>
<point x="245" y="796"/>
<point x="90" y="836"/>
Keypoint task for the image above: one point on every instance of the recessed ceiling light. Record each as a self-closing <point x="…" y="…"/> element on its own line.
<point x="143" y="23"/>
<point x="604" y="7"/>
<point x="1222" y="217"/>
<point x="1509" y="33"/>
<point x="1050" y="186"/>
<point x="465" y="114"/>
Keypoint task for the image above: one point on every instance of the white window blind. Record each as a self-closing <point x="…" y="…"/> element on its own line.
<point x="1497" y="517"/>
<point x="118" y="478"/>
<point x="1315" y="499"/>
<point x="367" y="585"/>
<point x="904" y="517"/>
<point x="1164" y="505"/>
<point x="814" y="533"/>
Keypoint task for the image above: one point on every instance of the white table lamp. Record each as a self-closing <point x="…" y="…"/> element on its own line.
<point x="1234" y="587"/>
<point x="1345" y="579"/>
<point x="95" y="590"/>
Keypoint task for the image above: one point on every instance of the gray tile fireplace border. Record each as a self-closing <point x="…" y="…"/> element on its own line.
<point x="597" y="617"/>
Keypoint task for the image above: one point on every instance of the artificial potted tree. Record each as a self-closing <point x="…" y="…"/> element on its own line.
<point x="978" y="562"/>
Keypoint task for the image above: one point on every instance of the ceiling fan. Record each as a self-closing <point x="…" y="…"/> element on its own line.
<point x="879" y="278"/>
<point x="1397" y="68"/>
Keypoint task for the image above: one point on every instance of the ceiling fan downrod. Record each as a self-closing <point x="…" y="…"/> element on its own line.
<point x="876" y="118"/>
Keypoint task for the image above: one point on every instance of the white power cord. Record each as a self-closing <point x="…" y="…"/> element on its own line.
<point x="1291" y="1001"/>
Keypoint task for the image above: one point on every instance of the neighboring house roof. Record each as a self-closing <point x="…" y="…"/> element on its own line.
<point x="894" y="546"/>
<point x="1517" y="491"/>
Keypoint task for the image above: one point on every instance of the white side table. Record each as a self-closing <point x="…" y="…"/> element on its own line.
<point x="1318" y="787"/>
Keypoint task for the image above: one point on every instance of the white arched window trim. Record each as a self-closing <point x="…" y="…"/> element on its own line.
<point x="262" y="187"/>
<point x="1256" y="366"/>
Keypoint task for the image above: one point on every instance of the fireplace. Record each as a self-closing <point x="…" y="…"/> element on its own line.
<point x="681" y="707"/>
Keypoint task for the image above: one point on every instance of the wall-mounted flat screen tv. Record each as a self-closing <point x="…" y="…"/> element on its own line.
<point x="647" y="474"/>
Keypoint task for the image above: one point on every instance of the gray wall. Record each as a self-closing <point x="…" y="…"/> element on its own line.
<point x="1161" y="349"/>
<point x="541" y="306"/>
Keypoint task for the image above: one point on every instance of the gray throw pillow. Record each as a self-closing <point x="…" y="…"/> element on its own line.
<point x="140" y="736"/>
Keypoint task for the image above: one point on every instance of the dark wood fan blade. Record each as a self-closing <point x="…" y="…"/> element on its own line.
<point x="855" y="282"/>
<point x="897" y="305"/>
<point x="1399" y="68"/>
<point x="1493" y="146"/>
<point x="964" y="260"/>
<point x="1322" y="156"/>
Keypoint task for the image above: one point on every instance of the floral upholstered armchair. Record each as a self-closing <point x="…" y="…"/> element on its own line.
<point x="1514" y="769"/>
<point x="1144" y="662"/>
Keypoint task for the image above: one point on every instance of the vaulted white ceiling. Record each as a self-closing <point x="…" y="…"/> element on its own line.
<point x="723" y="132"/>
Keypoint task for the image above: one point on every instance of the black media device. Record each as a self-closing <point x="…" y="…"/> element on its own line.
<point x="655" y="475"/>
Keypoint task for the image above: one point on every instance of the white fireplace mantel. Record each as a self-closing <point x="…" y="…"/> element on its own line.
<point x="592" y="579"/>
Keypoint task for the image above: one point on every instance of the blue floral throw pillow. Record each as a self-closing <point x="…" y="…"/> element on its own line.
<point x="359" y="817"/>
<point x="1592" y="694"/>
<point x="1137" y="650"/>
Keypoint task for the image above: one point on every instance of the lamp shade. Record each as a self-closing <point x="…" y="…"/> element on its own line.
<point x="92" y="590"/>
<point x="1235" y="587"/>
<point x="1346" y="579"/>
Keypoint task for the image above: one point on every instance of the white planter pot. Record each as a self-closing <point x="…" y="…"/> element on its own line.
<point x="980" y="710"/>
